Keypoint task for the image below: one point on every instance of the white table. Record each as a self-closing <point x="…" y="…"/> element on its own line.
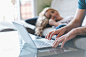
<point x="11" y="45"/>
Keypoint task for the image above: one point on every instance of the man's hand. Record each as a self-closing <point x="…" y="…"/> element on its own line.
<point x="63" y="39"/>
<point x="58" y="32"/>
<point x="60" y="37"/>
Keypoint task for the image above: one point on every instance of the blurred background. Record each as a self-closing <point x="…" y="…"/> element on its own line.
<point x="21" y="9"/>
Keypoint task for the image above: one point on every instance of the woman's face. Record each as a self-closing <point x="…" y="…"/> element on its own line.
<point x="52" y="14"/>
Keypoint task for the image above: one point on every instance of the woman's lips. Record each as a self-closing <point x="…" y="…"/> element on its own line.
<point x="55" y="17"/>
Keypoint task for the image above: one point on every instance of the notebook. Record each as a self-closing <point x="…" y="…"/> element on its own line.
<point x="31" y="41"/>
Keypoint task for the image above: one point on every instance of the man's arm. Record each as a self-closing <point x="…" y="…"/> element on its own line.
<point x="80" y="31"/>
<point x="77" y="21"/>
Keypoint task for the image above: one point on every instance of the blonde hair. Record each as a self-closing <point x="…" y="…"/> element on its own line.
<point x="42" y="14"/>
<point x="42" y="21"/>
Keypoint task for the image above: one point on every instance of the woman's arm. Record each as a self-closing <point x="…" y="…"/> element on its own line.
<point x="54" y="23"/>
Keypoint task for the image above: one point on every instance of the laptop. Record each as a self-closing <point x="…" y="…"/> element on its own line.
<point x="39" y="43"/>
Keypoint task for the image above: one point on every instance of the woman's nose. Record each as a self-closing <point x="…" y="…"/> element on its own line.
<point x="53" y="15"/>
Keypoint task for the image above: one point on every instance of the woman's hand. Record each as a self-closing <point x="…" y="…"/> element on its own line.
<point x="70" y="35"/>
<point x="53" y="22"/>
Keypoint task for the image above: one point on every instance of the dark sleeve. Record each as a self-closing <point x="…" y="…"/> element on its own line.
<point x="82" y="4"/>
<point x="48" y="26"/>
<point x="32" y="20"/>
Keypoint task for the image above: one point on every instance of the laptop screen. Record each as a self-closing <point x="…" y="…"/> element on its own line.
<point x="23" y="32"/>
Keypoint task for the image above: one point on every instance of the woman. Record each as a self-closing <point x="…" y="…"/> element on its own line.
<point x="47" y="18"/>
<point x="55" y="18"/>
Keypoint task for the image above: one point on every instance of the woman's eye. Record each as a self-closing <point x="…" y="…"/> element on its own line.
<point x="52" y="11"/>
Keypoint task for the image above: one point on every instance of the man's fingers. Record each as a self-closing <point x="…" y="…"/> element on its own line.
<point x="60" y="34"/>
<point x="50" y="34"/>
<point x="53" y="33"/>
<point x="56" y="43"/>
<point x="47" y="36"/>
<point x="63" y="43"/>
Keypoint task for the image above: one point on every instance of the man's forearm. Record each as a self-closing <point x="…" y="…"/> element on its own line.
<point x="72" y="24"/>
<point x="81" y="31"/>
<point x="77" y="21"/>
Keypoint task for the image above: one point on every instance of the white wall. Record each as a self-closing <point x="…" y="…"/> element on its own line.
<point x="65" y="7"/>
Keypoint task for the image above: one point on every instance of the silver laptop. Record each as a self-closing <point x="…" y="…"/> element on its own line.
<point x="33" y="43"/>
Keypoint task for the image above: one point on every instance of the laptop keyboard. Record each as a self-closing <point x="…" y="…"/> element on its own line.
<point x="41" y="43"/>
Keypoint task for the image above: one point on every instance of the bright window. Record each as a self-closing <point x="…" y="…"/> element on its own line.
<point x="16" y="9"/>
<point x="27" y="9"/>
<point x="8" y="10"/>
